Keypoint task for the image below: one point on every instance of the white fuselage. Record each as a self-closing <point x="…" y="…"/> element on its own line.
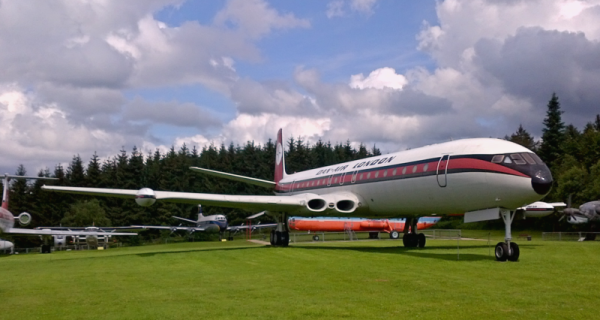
<point x="447" y="178"/>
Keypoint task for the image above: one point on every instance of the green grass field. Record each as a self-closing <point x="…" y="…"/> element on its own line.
<point x="331" y="280"/>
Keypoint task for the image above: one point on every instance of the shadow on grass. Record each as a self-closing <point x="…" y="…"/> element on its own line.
<point x="450" y="254"/>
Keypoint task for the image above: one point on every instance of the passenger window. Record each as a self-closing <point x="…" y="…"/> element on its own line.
<point x="394" y="173"/>
<point x="385" y="173"/>
<point x="376" y="174"/>
<point x="498" y="158"/>
<point x="360" y="176"/>
<point x="425" y="167"/>
<point x="517" y="158"/>
<point x="368" y="175"/>
<point x="404" y="170"/>
<point x="414" y="169"/>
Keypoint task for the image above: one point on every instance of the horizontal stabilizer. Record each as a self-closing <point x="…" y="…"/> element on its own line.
<point x="184" y="219"/>
<point x="235" y="177"/>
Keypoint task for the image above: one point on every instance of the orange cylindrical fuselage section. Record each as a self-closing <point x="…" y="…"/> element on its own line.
<point x="355" y="224"/>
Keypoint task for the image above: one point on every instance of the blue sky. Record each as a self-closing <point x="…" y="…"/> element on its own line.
<point x="95" y="76"/>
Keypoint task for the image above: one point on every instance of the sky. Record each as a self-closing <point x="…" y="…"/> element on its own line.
<point x="97" y="76"/>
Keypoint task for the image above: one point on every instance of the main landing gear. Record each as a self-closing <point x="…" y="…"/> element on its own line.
<point x="507" y="250"/>
<point x="281" y="235"/>
<point x="412" y="239"/>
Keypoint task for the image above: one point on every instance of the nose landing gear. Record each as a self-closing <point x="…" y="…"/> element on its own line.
<point x="507" y="250"/>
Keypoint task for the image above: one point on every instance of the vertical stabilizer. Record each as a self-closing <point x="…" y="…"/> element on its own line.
<point x="279" y="158"/>
<point x="200" y="215"/>
<point x="5" y="192"/>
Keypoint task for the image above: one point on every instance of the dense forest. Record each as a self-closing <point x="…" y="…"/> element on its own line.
<point x="572" y="154"/>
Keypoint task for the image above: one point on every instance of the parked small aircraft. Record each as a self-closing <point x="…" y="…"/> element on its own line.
<point x="486" y="178"/>
<point x="212" y="223"/>
<point x="92" y="236"/>
<point x="587" y="212"/>
<point x="7" y="221"/>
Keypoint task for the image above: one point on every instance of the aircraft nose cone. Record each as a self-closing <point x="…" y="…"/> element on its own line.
<point x="541" y="180"/>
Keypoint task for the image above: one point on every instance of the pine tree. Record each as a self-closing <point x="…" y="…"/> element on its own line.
<point x="553" y="132"/>
<point x="523" y="138"/>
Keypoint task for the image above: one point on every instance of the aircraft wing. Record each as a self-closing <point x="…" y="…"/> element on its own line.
<point x="173" y="228"/>
<point x="36" y="232"/>
<point x="257" y="226"/>
<point x="557" y="204"/>
<point x="270" y="203"/>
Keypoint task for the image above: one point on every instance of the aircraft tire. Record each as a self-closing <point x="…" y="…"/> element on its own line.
<point x="315" y="238"/>
<point x="395" y="235"/>
<point x="421" y="240"/>
<point x="501" y="251"/>
<point x="410" y="240"/>
<point x="272" y="237"/>
<point x="373" y="235"/>
<point x="515" y="252"/>
<point x="284" y="239"/>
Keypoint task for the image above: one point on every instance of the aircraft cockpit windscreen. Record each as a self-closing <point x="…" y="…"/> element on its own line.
<point x="529" y="164"/>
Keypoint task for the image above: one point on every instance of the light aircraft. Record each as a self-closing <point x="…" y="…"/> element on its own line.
<point x="485" y="178"/>
<point x="373" y="226"/>
<point x="587" y="212"/>
<point x="7" y="221"/>
<point x="212" y="223"/>
<point x="92" y="236"/>
<point x="539" y="209"/>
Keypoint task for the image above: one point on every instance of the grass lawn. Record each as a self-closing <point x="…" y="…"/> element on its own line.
<point x="331" y="280"/>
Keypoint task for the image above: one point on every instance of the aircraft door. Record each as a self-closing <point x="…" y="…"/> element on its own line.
<point x="442" y="170"/>
<point x="292" y="187"/>
<point x="342" y="177"/>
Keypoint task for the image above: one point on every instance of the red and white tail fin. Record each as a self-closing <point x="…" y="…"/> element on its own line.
<point x="279" y="158"/>
<point x="5" y="192"/>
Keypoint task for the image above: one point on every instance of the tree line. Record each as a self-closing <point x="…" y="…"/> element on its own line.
<point x="572" y="154"/>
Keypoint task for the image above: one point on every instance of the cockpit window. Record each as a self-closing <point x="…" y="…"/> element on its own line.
<point x="498" y="158"/>
<point x="517" y="158"/>
<point x="528" y="158"/>
<point x="507" y="160"/>
<point x="537" y="159"/>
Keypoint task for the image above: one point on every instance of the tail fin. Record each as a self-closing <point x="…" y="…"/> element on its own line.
<point x="200" y="215"/>
<point x="279" y="158"/>
<point x="5" y="192"/>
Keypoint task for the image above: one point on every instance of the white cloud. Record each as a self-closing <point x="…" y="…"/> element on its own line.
<point x="255" y="18"/>
<point x="379" y="79"/>
<point x="340" y="8"/>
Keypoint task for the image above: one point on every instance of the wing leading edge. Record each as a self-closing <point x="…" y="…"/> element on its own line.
<point x="35" y="232"/>
<point x="269" y="203"/>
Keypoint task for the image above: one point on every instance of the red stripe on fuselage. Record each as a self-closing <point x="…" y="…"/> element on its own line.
<point x="398" y="172"/>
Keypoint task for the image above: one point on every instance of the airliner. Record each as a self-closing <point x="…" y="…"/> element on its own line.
<point x="7" y="221"/>
<point x="484" y="178"/>
<point x="211" y="223"/>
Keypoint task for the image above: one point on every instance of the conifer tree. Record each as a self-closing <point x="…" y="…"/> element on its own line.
<point x="523" y="138"/>
<point x="553" y="132"/>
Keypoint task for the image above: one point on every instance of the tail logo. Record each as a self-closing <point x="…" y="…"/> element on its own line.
<point x="278" y="153"/>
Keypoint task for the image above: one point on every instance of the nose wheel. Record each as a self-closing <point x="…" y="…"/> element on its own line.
<point x="507" y="250"/>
